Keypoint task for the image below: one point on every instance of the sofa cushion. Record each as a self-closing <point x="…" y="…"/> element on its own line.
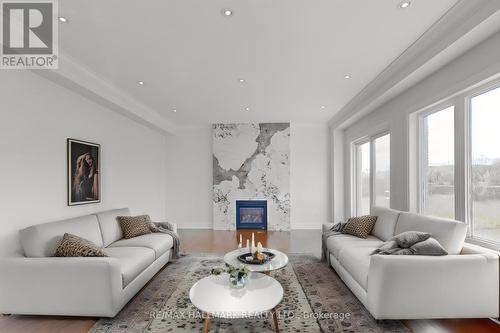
<point x="74" y="246"/>
<point x="338" y="243"/>
<point x="449" y="233"/>
<point x="42" y="240"/>
<point x="133" y="261"/>
<point x="110" y="228"/>
<point x="356" y="260"/>
<point x="160" y="243"/>
<point x="386" y="222"/>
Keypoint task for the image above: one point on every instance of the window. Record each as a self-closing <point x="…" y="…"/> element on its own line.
<point x="437" y="168"/>
<point x="459" y="162"/>
<point x="382" y="175"/>
<point x="372" y="174"/>
<point x="485" y="165"/>
<point x="363" y="179"/>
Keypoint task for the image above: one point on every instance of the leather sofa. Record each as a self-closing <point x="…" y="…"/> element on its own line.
<point x="462" y="284"/>
<point x="40" y="284"/>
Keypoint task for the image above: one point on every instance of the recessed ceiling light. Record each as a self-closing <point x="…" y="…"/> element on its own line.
<point x="62" y="19"/>
<point x="323" y="107"/>
<point x="241" y="80"/>
<point x="347" y="76"/>
<point x="141" y="83"/>
<point x="226" y="12"/>
<point x="247" y="109"/>
<point x="174" y="110"/>
<point x="404" y="4"/>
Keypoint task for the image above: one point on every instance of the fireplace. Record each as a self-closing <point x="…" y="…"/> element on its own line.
<point x="251" y="214"/>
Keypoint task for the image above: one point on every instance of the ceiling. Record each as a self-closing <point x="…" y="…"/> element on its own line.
<point x="293" y="54"/>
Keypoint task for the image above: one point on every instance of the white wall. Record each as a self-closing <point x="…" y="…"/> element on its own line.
<point x="309" y="177"/>
<point x="480" y="64"/>
<point x="36" y="117"/>
<point x="189" y="177"/>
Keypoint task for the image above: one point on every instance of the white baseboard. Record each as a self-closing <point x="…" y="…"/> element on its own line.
<point x="309" y="226"/>
<point x="305" y="227"/>
<point x="195" y="225"/>
<point x="208" y="225"/>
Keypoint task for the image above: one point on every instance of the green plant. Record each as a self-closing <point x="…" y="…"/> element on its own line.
<point x="233" y="271"/>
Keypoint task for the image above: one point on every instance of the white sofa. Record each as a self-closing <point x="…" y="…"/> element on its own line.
<point x="463" y="284"/>
<point x="40" y="284"/>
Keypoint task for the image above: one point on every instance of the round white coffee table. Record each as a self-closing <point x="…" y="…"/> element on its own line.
<point x="279" y="261"/>
<point x="215" y="298"/>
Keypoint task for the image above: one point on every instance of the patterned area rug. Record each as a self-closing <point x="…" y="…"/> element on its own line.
<point x="315" y="300"/>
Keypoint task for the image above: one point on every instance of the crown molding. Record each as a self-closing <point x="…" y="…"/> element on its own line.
<point x="293" y="125"/>
<point x="83" y="81"/>
<point x="195" y="127"/>
<point x="462" y="18"/>
<point x="308" y="125"/>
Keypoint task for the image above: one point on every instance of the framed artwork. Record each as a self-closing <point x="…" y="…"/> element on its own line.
<point x="84" y="184"/>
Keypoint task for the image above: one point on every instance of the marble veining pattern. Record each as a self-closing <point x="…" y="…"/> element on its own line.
<point x="251" y="162"/>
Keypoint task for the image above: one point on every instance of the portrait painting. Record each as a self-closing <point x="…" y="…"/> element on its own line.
<point x="83" y="172"/>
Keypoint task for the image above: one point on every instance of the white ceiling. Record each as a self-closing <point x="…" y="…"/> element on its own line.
<point x="293" y="54"/>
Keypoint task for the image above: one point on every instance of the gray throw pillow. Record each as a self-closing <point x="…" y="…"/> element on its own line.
<point x="408" y="238"/>
<point x="403" y="252"/>
<point x="429" y="247"/>
<point x="386" y="247"/>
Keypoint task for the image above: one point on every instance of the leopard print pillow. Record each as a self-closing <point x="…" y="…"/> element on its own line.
<point x="74" y="246"/>
<point x="133" y="226"/>
<point x="151" y="225"/>
<point x="360" y="226"/>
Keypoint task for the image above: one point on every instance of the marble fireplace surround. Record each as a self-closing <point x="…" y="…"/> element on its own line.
<point x="251" y="162"/>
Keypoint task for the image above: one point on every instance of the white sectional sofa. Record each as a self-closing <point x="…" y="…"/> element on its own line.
<point x="463" y="284"/>
<point x="40" y="284"/>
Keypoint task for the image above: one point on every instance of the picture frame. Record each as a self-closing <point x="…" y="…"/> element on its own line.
<point x="83" y="172"/>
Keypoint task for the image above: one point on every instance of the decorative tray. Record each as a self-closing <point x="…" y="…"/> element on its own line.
<point x="247" y="258"/>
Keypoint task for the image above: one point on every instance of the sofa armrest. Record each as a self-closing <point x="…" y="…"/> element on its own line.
<point x="327" y="226"/>
<point x="452" y="286"/>
<point x="66" y="286"/>
<point x="171" y="225"/>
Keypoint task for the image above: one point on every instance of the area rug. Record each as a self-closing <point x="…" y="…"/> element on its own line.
<point x="315" y="300"/>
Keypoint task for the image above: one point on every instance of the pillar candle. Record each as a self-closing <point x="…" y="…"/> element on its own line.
<point x="252" y="250"/>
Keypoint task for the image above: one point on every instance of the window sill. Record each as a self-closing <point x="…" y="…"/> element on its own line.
<point x="484" y="243"/>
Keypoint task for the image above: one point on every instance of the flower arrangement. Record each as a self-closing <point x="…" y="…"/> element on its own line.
<point x="237" y="275"/>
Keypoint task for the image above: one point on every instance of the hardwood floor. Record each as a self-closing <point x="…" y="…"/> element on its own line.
<point x="453" y="326"/>
<point x="45" y="324"/>
<point x="209" y="241"/>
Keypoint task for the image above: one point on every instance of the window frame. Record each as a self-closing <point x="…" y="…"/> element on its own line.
<point x="421" y="144"/>
<point x="467" y="99"/>
<point x="461" y="101"/>
<point x="373" y="165"/>
<point x="370" y="139"/>
<point x="355" y="178"/>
